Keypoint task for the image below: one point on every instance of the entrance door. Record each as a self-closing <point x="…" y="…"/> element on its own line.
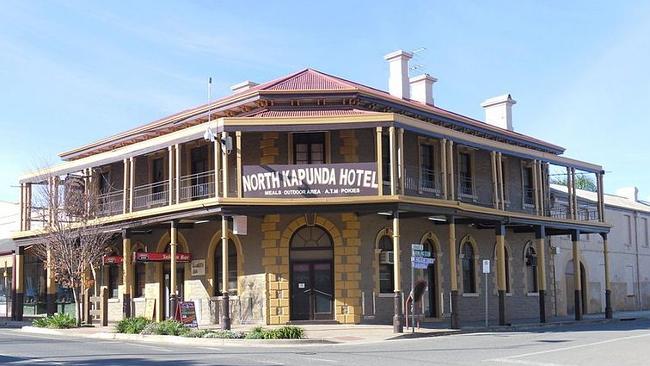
<point x="312" y="285"/>
<point x="312" y="291"/>
<point x="430" y="275"/>
<point x="180" y="280"/>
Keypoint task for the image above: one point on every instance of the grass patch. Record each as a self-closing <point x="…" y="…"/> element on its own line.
<point x="132" y="325"/>
<point x="56" y="321"/>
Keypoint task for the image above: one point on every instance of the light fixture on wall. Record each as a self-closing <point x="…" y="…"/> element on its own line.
<point x="438" y="218"/>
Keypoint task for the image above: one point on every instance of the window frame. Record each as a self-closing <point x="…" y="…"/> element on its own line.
<point x="471" y="170"/>
<point x="531" y="269"/>
<point x="527" y="167"/>
<point x="390" y="268"/>
<point x="435" y="164"/>
<point x="326" y="147"/>
<point x="233" y="262"/>
<point x="471" y="268"/>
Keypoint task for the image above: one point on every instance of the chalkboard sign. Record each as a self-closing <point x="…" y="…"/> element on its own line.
<point x="186" y="313"/>
<point x="149" y="308"/>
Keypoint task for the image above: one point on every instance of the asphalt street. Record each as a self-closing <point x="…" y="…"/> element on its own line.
<point x="619" y="343"/>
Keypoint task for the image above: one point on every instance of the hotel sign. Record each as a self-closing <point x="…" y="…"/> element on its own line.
<point x="310" y="180"/>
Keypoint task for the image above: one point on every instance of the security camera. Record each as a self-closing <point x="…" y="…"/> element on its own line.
<point x="226" y="144"/>
<point x="209" y="135"/>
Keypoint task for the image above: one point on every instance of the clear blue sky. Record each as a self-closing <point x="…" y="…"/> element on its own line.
<point x="74" y="72"/>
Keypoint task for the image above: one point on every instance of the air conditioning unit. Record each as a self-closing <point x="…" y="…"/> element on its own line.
<point x="386" y="258"/>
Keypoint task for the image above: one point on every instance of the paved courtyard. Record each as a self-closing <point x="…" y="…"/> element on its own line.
<point x="615" y="343"/>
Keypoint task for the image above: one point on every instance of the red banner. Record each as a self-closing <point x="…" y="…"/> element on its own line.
<point x="160" y="257"/>
<point x="112" y="259"/>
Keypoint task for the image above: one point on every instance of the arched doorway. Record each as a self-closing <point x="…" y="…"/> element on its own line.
<point x="431" y="300"/>
<point x="166" y="280"/>
<point x="570" y="287"/>
<point x="311" y="269"/>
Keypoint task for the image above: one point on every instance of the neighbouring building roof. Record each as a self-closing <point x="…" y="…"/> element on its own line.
<point x="308" y="81"/>
<point x="610" y="199"/>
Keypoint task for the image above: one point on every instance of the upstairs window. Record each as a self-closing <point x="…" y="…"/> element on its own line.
<point x="427" y="174"/>
<point x="309" y="148"/>
<point x="385" y="158"/>
<point x="527" y="185"/>
<point x="157" y="176"/>
<point x="465" y="173"/>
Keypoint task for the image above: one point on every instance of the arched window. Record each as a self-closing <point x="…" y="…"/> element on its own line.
<point x="530" y="257"/>
<point x="113" y="275"/>
<point x="386" y="267"/>
<point x="139" y="273"/>
<point x="232" y="270"/>
<point x="469" y="270"/>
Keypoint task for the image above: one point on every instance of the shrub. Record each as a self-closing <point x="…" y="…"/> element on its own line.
<point x="196" y="333"/>
<point x="286" y="332"/>
<point x="166" y="327"/>
<point x="56" y="321"/>
<point x="289" y="332"/>
<point x="132" y="325"/>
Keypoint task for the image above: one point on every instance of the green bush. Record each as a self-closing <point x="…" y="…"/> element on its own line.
<point x="286" y="332"/>
<point x="217" y="333"/>
<point x="132" y="325"/>
<point x="289" y="332"/>
<point x="166" y="327"/>
<point x="196" y="333"/>
<point x="56" y="321"/>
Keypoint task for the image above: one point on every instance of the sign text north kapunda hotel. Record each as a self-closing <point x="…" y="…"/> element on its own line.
<point x="313" y="180"/>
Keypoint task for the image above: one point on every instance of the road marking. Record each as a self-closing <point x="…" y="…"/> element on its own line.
<point x="154" y="347"/>
<point x="512" y="359"/>
<point x="524" y="362"/>
<point x="323" y="359"/>
<point x="210" y="348"/>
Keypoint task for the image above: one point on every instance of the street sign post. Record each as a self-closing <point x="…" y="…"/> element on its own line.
<point x="420" y="259"/>
<point x="486" y="271"/>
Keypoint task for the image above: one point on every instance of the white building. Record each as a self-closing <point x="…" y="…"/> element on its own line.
<point x="629" y="255"/>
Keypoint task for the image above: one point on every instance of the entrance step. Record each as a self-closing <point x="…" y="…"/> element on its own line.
<point x="312" y="322"/>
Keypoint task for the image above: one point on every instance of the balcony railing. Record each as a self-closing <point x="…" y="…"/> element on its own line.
<point x="110" y="203"/>
<point x="151" y="195"/>
<point x="197" y="186"/>
<point x="420" y="181"/>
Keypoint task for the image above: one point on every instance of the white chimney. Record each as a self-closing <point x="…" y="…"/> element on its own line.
<point x="243" y="86"/>
<point x="398" y="73"/>
<point x="631" y="193"/>
<point x="498" y="111"/>
<point x="422" y="88"/>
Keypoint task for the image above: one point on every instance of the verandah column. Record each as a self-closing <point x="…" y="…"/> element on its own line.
<point x="453" y="273"/>
<point x="173" y="243"/>
<point x="225" y="300"/>
<point x="18" y="284"/>
<point x="540" y="238"/>
<point x="500" y="232"/>
<point x="608" y="290"/>
<point x="380" y="163"/>
<point x="127" y="274"/>
<point x="577" y="282"/>
<point x="50" y="296"/>
<point x="397" y="317"/>
<point x="392" y="139"/>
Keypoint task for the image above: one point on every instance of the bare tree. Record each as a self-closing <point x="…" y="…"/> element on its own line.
<point x="73" y="238"/>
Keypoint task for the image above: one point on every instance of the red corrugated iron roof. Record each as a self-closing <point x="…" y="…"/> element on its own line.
<point x="311" y="113"/>
<point x="307" y="80"/>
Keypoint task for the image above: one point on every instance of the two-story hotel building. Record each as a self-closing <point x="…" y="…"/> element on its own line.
<point x="299" y="199"/>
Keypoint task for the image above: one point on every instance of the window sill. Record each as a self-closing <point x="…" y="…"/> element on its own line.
<point x="472" y="294"/>
<point x="113" y="299"/>
<point x="139" y="299"/>
<point x="532" y="294"/>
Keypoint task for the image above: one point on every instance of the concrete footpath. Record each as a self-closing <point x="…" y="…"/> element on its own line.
<point x="328" y="334"/>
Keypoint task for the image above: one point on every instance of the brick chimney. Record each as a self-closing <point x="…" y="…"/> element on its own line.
<point x="498" y="111"/>
<point x="398" y="73"/>
<point x="422" y="88"/>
